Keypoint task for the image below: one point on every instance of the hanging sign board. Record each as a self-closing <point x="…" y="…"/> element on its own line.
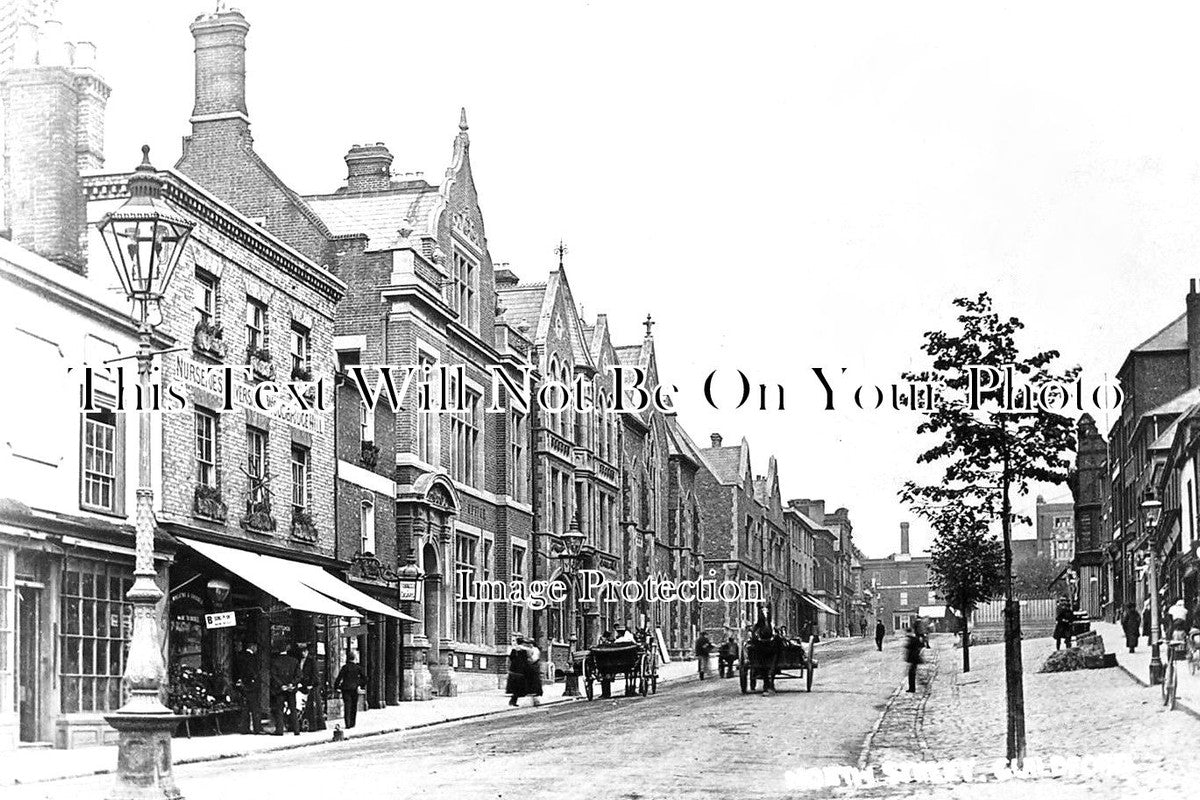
<point x="408" y="590"/>
<point x="225" y="619"/>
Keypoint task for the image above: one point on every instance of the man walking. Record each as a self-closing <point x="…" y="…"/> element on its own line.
<point x="703" y="649"/>
<point x="310" y="684"/>
<point x="727" y="656"/>
<point x="246" y="680"/>
<point x="350" y="679"/>
<point x="1130" y="624"/>
<point x="880" y="632"/>
<point x="912" y="655"/>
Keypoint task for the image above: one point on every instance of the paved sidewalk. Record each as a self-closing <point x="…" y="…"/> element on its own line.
<point x="36" y="764"/>
<point x="1137" y="665"/>
<point x="1097" y="712"/>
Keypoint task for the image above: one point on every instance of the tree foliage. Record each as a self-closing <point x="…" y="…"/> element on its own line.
<point x="966" y="560"/>
<point x="986" y="451"/>
<point x="1032" y="576"/>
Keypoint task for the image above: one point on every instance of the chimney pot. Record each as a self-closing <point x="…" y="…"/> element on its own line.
<point x="220" y="66"/>
<point x="368" y="168"/>
<point x="716" y="440"/>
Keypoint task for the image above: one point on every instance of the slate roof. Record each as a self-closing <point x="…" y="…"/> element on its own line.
<point x="680" y="443"/>
<point x="725" y="463"/>
<point x="1172" y="337"/>
<point x="379" y="216"/>
<point x="1177" y="405"/>
<point x="630" y="355"/>
<point x="523" y="303"/>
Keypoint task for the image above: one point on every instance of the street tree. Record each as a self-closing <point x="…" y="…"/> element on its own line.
<point x="1033" y="576"/>
<point x="966" y="564"/>
<point x="992" y="440"/>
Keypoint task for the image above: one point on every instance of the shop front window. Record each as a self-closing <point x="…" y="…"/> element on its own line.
<point x="95" y="627"/>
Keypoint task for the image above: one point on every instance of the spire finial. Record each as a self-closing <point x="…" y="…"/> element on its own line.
<point x="462" y="119"/>
<point x="560" y="251"/>
<point x="649" y="323"/>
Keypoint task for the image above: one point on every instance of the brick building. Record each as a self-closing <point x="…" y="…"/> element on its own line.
<point x="900" y="587"/>
<point x="1055" y="525"/>
<point x="1090" y="491"/>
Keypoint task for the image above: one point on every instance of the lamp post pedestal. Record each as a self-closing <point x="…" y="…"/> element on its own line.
<point x="144" y="756"/>
<point x="570" y="676"/>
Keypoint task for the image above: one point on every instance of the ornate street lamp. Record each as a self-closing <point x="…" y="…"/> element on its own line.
<point x="1150" y="512"/>
<point x="570" y="554"/>
<point x="145" y="240"/>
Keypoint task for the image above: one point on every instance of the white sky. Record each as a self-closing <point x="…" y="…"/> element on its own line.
<point x="781" y="185"/>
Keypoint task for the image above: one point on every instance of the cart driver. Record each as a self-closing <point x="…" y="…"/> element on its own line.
<point x="623" y="635"/>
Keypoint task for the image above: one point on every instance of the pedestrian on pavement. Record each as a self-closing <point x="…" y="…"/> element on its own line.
<point x="1149" y="634"/>
<point x="533" y="672"/>
<point x="1064" y="619"/>
<point x="247" y="684"/>
<point x="310" y="685"/>
<point x="912" y="655"/>
<point x="704" y="648"/>
<point x="350" y="679"/>
<point x="518" y="665"/>
<point x="880" y="632"/>
<point x="727" y="656"/>
<point x="1130" y="624"/>
<point x="285" y="675"/>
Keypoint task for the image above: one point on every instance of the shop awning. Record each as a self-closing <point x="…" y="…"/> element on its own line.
<point x="818" y="605"/>
<point x="275" y="576"/>
<point x="316" y="578"/>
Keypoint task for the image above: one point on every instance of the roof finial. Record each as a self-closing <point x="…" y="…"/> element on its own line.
<point x="462" y="119"/>
<point x="560" y="251"/>
<point x="649" y="323"/>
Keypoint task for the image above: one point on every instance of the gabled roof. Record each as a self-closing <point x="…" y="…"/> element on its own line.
<point x="681" y="444"/>
<point x="523" y="304"/>
<point x="1176" y="405"/>
<point x="729" y="465"/>
<point x="383" y="217"/>
<point x="1172" y="337"/>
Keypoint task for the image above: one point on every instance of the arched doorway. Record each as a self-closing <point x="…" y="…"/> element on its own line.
<point x="432" y="601"/>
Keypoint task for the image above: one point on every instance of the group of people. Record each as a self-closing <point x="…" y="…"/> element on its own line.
<point x="294" y="689"/>
<point x="1174" y="624"/>
<point x="524" y="671"/>
<point x="727" y="655"/>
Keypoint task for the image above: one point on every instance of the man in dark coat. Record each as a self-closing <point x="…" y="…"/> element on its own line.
<point x="310" y="683"/>
<point x="880" y="632"/>
<point x="727" y="656"/>
<point x="518" y="665"/>
<point x="350" y="679"/>
<point x="1064" y="620"/>
<point x="912" y="655"/>
<point x="704" y="649"/>
<point x="1146" y="620"/>
<point x="246" y="682"/>
<point x="285" y="679"/>
<point x="1130" y="624"/>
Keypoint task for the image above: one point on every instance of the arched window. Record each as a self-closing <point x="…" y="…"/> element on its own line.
<point x="366" y="525"/>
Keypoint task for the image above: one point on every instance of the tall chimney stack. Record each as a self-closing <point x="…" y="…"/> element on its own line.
<point x="904" y="538"/>
<point x="54" y="105"/>
<point x="368" y="168"/>
<point x="220" y="72"/>
<point x="716" y="439"/>
<point x="1193" y="335"/>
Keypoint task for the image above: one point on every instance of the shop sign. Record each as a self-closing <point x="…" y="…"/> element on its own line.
<point x="408" y="590"/>
<point x="224" y="619"/>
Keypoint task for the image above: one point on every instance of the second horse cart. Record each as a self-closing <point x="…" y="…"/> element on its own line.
<point x="637" y="663"/>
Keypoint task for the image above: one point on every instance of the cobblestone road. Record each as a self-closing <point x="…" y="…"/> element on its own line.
<point x="1068" y="715"/>
<point x="699" y="739"/>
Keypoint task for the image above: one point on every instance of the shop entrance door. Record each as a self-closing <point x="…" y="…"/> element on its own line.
<point x="29" y="614"/>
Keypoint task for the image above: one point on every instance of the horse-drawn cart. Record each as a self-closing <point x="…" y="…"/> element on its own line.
<point x="605" y="663"/>
<point x="777" y="658"/>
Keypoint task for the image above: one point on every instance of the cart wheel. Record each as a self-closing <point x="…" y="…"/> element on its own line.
<point x="742" y="674"/>
<point x="753" y="679"/>
<point x="654" y="684"/>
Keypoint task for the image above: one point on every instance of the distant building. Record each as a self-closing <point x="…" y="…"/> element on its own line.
<point x="900" y="587"/>
<point x="1055" y="530"/>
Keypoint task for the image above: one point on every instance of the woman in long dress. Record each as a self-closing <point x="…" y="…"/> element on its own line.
<point x="533" y="672"/>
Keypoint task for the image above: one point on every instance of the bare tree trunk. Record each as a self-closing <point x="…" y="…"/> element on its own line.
<point x="1014" y="679"/>
<point x="966" y="643"/>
